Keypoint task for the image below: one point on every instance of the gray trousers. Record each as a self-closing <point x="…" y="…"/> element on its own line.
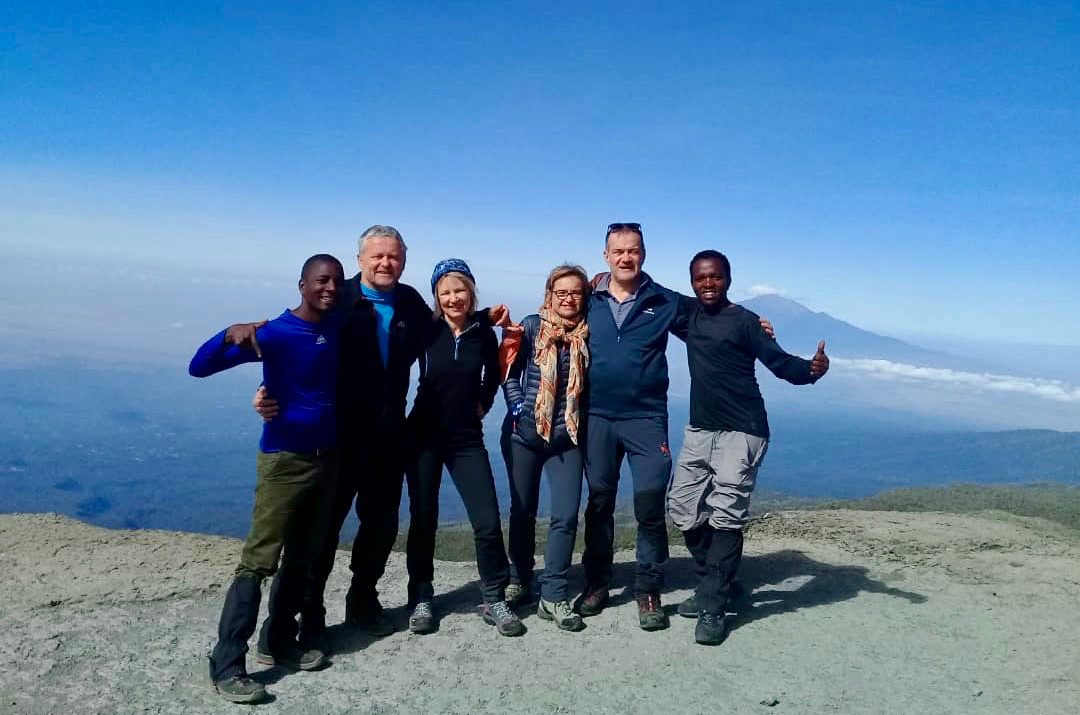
<point x="714" y="477"/>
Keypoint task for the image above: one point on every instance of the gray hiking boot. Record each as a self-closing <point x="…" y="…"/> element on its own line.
<point x="240" y="688"/>
<point x="291" y="657"/>
<point x="506" y="622"/>
<point x="561" y="614"/>
<point x="422" y="620"/>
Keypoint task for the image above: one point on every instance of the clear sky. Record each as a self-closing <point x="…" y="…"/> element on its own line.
<point x="907" y="166"/>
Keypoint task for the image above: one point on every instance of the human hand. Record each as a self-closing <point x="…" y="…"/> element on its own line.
<point x="243" y="335"/>
<point x="499" y="315"/>
<point x="819" y="364"/>
<point x="266" y="406"/>
<point x="767" y="327"/>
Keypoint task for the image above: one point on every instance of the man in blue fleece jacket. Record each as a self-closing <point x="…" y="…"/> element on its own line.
<point x="630" y="317"/>
<point x="295" y="471"/>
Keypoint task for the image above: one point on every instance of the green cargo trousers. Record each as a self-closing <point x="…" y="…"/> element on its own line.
<point x="289" y="493"/>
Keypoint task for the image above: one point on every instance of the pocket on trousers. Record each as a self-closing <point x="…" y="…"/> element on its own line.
<point x="756" y="447"/>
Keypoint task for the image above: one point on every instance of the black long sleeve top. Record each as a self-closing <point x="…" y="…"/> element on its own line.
<point x="721" y="347"/>
<point x="459" y="377"/>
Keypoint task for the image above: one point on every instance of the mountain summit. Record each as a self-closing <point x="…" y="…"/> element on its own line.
<point x="799" y="329"/>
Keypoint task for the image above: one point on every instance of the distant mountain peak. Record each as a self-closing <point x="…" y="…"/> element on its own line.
<point x="775" y="305"/>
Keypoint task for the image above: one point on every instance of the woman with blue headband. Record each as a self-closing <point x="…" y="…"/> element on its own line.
<point x="458" y="381"/>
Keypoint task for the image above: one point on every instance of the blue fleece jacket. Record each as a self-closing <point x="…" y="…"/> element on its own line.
<point x="628" y="373"/>
<point x="300" y="364"/>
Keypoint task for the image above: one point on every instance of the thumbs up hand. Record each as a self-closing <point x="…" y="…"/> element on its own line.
<point x="819" y="364"/>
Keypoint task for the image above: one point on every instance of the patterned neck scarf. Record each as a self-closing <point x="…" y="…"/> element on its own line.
<point x="553" y="331"/>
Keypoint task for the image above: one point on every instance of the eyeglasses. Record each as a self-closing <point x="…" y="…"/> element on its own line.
<point x="564" y="294"/>
<point x="616" y="227"/>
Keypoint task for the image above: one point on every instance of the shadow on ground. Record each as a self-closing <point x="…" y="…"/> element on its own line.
<point x="768" y="585"/>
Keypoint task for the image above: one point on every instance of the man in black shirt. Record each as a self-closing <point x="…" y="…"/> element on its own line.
<point x="727" y="437"/>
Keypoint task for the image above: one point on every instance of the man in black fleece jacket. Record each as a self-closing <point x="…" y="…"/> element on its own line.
<point x="727" y="437"/>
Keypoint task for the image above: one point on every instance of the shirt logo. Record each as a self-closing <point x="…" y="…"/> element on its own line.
<point x="321" y="340"/>
<point x="649" y="311"/>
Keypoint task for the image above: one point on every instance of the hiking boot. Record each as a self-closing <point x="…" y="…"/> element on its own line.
<point x="592" y="602"/>
<point x="688" y="608"/>
<point x="370" y="619"/>
<point x="291" y="657"/>
<point x="711" y="629"/>
<point x="315" y="639"/>
<point x="517" y="594"/>
<point x="240" y="688"/>
<point x="422" y="620"/>
<point x="506" y="622"/>
<point x="651" y="616"/>
<point x="561" y="614"/>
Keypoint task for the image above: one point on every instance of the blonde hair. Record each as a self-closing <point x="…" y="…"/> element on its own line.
<point x="563" y="271"/>
<point x="470" y="288"/>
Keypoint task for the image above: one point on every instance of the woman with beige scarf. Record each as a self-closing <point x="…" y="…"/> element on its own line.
<point x="547" y="360"/>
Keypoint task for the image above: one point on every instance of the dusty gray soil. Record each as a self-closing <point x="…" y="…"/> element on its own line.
<point x="849" y="612"/>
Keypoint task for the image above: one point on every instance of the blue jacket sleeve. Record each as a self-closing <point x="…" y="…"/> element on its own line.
<point x="216" y="355"/>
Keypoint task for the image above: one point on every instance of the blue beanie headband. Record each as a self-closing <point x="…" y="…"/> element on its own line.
<point x="450" y="265"/>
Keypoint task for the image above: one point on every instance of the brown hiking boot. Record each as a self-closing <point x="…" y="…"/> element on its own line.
<point x="592" y="602"/>
<point x="651" y="616"/>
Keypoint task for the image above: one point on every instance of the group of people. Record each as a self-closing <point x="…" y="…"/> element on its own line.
<point x="585" y="382"/>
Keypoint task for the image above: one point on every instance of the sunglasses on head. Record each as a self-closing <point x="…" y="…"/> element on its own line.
<point x="616" y="227"/>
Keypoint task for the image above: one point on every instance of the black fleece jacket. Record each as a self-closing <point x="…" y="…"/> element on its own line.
<point x="372" y="397"/>
<point x="459" y="377"/>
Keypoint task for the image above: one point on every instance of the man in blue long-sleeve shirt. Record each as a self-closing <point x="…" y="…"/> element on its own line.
<point x="727" y="437"/>
<point x="295" y="469"/>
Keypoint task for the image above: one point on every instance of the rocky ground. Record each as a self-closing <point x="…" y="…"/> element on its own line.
<point x="849" y="612"/>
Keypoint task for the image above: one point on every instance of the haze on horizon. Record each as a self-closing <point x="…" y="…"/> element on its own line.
<point x="911" y="168"/>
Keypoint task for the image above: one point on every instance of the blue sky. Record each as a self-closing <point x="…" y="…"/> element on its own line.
<point x="910" y="167"/>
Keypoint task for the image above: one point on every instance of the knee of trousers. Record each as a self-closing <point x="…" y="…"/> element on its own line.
<point x="650" y="506"/>
<point x="685" y="520"/>
<point x="252" y="571"/>
<point x="564" y="524"/>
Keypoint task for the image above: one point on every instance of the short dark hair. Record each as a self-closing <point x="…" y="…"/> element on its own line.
<point x="620" y="227"/>
<point x="708" y="254"/>
<point x="319" y="258"/>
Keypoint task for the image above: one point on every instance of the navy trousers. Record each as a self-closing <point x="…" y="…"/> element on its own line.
<point x="643" y="442"/>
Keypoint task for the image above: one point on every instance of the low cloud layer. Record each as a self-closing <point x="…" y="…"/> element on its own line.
<point x="764" y="289"/>
<point x="1055" y="390"/>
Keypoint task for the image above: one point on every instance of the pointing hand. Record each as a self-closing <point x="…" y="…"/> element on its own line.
<point x="243" y="335"/>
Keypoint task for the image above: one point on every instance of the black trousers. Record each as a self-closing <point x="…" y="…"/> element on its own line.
<point x="467" y="461"/>
<point x="371" y="473"/>
<point x="717" y="554"/>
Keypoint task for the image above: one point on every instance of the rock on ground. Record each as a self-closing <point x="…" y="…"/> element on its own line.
<point x="848" y="612"/>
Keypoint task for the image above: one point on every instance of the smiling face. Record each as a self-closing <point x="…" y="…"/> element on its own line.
<point x="320" y="284"/>
<point x="454" y="296"/>
<point x="567" y="297"/>
<point x="710" y="281"/>
<point x="624" y="254"/>
<point x="381" y="260"/>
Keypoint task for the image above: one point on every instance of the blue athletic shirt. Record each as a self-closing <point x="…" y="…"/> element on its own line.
<point x="384" y="313"/>
<point x="300" y="361"/>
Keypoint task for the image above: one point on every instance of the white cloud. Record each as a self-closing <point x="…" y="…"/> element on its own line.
<point x="1055" y="390"/>
<point x="764" y="289"/>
